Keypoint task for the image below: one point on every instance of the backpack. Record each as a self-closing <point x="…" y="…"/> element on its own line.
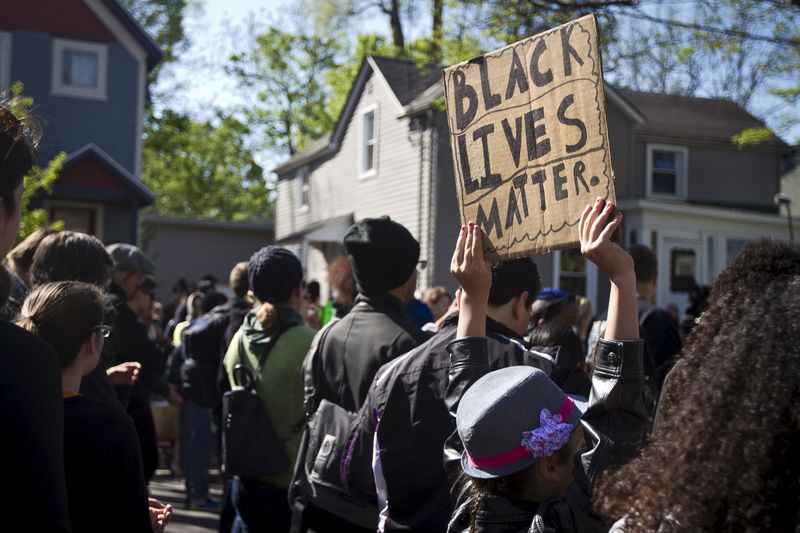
<point x="203" y="349"/>
<point x="251" y="447"/>
<point x="317" y="477"/>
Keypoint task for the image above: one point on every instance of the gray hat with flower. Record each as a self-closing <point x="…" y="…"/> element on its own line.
<point x="511" y="418"/>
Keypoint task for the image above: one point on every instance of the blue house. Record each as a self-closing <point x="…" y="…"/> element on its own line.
<point x="85" y="64"/>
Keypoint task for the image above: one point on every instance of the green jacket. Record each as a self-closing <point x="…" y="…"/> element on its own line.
<point x="280" y="385"/>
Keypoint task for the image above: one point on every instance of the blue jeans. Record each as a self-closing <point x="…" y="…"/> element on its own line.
<point x="195" y="433"/>
<point x="260" y="508"/>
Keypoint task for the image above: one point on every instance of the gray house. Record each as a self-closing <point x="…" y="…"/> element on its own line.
<point x="686" y="190"/>
<point x="85" y="64"/>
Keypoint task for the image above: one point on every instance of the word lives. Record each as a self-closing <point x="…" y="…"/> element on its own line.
<point x="529" y="138"/>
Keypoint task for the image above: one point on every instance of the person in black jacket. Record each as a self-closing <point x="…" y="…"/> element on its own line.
<point x="406" y="409"/>
<point x="384" y="257"/>
<point x="103" y="468"/>
<point x="659" y="329"/>
<point x="31" y="411"/>
<point x="131" y="265"/>
<point x="74" y="256"/>
<point x="523" y="470"/>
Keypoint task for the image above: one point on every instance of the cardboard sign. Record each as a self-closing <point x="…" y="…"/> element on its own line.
<point x="529" y="138"/>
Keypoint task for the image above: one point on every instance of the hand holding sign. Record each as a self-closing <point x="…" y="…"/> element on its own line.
<point x="529" y="139"/>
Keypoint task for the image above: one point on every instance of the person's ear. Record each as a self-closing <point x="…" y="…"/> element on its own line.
<point x="520" y="308"/>
<point x="92" y="344"/>
<point x="548" y="469"/>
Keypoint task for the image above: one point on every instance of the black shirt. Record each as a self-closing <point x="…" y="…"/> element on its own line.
<point x="103" y="465"/>
<point x="32" y="422"/>
<point x="130" y="343"/>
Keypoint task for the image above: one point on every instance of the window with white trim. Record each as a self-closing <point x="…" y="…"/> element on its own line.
<point x="80" y="69"/>
<point x="667" y="169"/>
<point x="572" y="272"/>
<point x="5" y="60"/>
<point x="303" y="188"/>
<point x="369" y="141"/>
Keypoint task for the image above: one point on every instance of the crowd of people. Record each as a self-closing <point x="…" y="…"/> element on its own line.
<point x="504" y="407"/>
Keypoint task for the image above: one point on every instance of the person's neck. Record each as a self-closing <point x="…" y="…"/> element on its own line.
<point x="503" y="315"/>
<point x="400" y="294"/>
<point x="71" y="379"/>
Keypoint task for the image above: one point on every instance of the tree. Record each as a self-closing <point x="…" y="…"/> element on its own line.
<point x="284" y="73"/>
<point x="203" y="169"/>
<point x="163" y="20"/>
<point x="746" y="51"/>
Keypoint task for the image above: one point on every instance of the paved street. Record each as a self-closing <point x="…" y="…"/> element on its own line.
<point x="169" y="489"/>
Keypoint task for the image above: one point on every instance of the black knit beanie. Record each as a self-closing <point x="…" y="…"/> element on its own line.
<point x="273" y="273"/>
<point x="382" y="252"/>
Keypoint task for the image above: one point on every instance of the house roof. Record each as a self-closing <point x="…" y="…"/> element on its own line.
<point x="161" y="220"/>
<point x="685" y="117"/>
<point x="142" y="193"/>
<point x="154" y="51"/>
<point x="308" y="153"/>
<point x="406" y="78"/>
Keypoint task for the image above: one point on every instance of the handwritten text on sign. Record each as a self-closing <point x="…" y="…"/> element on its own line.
<point x="529" y="138"/>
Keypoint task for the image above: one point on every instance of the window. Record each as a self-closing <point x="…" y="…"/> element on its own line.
<point x="304" y="188"/>
<point x="369" y="141"/>
<point x="80" y="69"/>
<point x="5" y="60"/>
<point x="572" y="272"/>
<point x="732" y="247"/>
<point x="666" y="171"/>
<point x="683" y="265"/>
<point x="84" y="217"/>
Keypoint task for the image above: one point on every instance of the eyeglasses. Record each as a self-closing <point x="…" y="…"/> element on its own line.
<point x="105" y="330"/>
<point x="421" y="265"/>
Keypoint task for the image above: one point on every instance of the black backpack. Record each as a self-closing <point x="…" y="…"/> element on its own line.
<point x="203" y="349"/>
<point x="317" y="478"/>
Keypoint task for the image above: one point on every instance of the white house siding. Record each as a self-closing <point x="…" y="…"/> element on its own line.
<point x="336" y="187"/>
<point x="707" y="230"/>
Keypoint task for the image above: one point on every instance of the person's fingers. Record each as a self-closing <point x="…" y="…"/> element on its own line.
<point x="599" y="223"/>
<point x="605" y="235"/>
<point x="469" y="244"/>
<point x="583" y="225"/>
<point x="475" y="251"/>
<point x="458" y="253"/>
<point x="591" y="217"/>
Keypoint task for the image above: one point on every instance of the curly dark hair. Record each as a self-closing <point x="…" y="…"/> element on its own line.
<point x="725" y="456"/>
<point x="757" y="264"/>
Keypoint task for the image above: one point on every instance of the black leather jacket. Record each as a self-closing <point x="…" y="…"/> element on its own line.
<point x="374" y="332"/>
<point x="406" y="408"/>
<point x="614" y="424"/>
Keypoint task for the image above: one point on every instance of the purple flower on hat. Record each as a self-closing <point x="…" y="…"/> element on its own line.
<point x="550" y="436"/>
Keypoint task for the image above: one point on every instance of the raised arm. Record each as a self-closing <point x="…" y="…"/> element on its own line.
<point x="475" y="278"/>
<point x="596" y="228"/>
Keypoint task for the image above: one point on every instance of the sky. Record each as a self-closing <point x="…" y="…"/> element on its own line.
<point x="197" y="84"/>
